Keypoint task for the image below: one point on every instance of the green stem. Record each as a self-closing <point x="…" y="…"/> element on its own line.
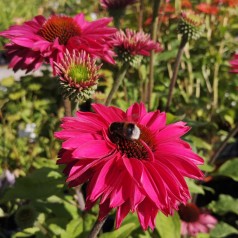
<point x="141" y="13"/>
<point x="175" y="71"/>
<point x="80" y="198"/>
<point x="120" y="76"/>
<point x="152" y="54"/>
<point x="96" y="228"/>
<point x="67" y="107"/>
<point x="223" y="144"/>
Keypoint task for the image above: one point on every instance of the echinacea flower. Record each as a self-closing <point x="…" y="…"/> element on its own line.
<point x="46" y="40"/>
<point x="130" y="44"/>
<point x="207" y="8"/>
<point x="131" y="161"/>
<point x="195" y="221"/>
<point x="234" y="63"/>
<point x="190" y="25"/>
<point x="78" y="74"/>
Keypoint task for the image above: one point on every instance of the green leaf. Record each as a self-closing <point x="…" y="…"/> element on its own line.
<point x="224" y="204"/>
<point x="36" y="185"/>
<point x="202" y="235"/>
<point x="168" y="227"/>
<point x="73" y="229"/>
<point x="229" y="169"/>
<point x="1" y="212"/>
<point x="223" y="229"/>
<point x="194" y="188"/>
<point x="7" y="82"/>
<point x="28" y="232"/>
<point x="123" y="231"/>
<point x="200" y="143"/>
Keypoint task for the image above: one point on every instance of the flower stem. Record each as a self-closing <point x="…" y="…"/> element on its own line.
<point x="175" y="71"/>
<point x="80" y="198"/>
<point x="152" y="54"/>
<point x="141" y="13"/>
<point x="67" y="107"/>
<point x="96" y="228"/>
<point x="120" y="76"/>
<point x="223" y="144"/>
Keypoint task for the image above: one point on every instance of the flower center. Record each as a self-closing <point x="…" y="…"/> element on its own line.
<point x="79" y="73"/>
<point x="189" y="213"/>
<point x="61" y="27"/>
<point x="129" y="136"/>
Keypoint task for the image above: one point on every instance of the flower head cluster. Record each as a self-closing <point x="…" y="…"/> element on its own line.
<point x="46" y="40"/>
<point x="131" y="45"/>
<point x="131" y="161"/>
<point x="194" y="221"/>
<point x="190" y="25"/>
<point x="234" y="64"/>
<point x="78" y="75"/>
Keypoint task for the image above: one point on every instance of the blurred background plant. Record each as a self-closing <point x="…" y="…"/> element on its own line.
<point x="35" y="202"/>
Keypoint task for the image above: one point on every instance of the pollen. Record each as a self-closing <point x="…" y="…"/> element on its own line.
<point x="79" y="73"/>
<point x="61" y="27"/>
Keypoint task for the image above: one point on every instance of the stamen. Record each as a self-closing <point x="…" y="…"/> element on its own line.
<point x="62" y="27"/>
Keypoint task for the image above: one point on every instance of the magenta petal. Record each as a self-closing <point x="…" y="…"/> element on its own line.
<point x="172" y="131"/>
<point x="100" y="149"/>
<point x="109" y="114"/>
<point x="100" y="179"/>
<point x="136" y="112"/>
<point x="134" y="168"/>
<point x="154" y="120"/>
<point x="122" y="211"/>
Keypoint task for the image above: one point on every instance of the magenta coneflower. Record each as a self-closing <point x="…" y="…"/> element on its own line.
<point x="131" y="161"/>
<point x="130" y="44"/>
<point x="194" y="221"/>
<point x="234" y="63"/>
<point x="46" y="40"/>
<point x="78" y="75"/>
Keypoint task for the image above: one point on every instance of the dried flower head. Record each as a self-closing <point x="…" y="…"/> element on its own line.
<point x="78" y="74"/>
<point x="195" y="221"/>
<point x="131" y="161"/>
<point x="25" y="216"/>
<point x="46" y="40"/>
<point x="130" y="45"/>
<point x="190" y="25"/>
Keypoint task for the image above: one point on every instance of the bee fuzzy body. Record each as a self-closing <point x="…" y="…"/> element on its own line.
<point x="126" y="130"/>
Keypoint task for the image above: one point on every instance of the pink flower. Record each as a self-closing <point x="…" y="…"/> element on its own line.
<point x="46" y="40"/>
<point x="194" y="221"/>
<point x="116" y="4"/>
<point x="78" y="74"/>
<point x="234" y="64"/>
<point x="135" y="43"/>
<point x="130" y="46"/>
<point x="131" y="161"/>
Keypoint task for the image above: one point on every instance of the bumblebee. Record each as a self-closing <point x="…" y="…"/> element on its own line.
<point x="127" y="130"/>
